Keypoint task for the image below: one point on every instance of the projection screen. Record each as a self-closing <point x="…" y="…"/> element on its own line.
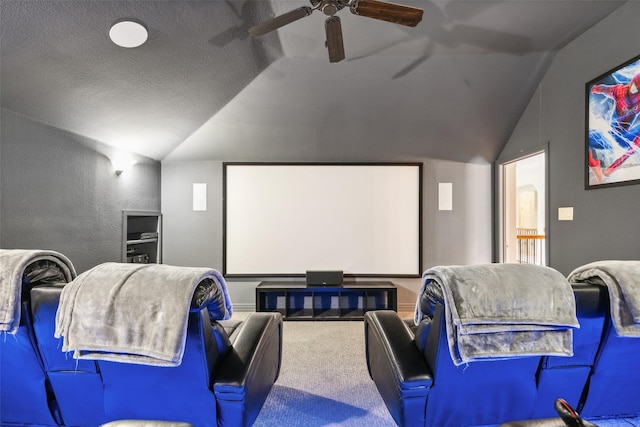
<point x="282" y="219"/>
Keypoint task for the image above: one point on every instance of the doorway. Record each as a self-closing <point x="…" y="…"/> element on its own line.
<point x="523" y="210"/>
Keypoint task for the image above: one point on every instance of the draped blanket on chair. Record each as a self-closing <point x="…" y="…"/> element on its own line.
<point x="13" y="264"/>
<point x="622" y="279"/>
<point x="502" y="310"/>
<point x="136" y="313"/>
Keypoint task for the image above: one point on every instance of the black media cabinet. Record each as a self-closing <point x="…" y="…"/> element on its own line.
<point x="297" y="301"/>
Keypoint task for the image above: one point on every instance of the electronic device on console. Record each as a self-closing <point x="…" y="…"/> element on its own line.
<point x="324" y="277"/>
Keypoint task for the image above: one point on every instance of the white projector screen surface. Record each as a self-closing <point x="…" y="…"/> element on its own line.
<point x="285" y="219"/>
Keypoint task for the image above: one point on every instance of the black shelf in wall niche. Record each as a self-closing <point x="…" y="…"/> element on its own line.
<point x="297" y="301"/>
<point x="141" y="236"/>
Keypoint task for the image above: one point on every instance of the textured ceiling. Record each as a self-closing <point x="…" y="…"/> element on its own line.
<point x="201" y="88"/>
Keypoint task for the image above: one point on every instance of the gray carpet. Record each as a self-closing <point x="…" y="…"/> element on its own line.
<point x="324" y="380"/>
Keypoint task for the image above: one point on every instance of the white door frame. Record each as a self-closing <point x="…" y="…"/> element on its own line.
<point x="505" y="187"/>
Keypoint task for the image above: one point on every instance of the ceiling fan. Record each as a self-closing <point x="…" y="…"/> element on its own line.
<point x="390" y="12"/>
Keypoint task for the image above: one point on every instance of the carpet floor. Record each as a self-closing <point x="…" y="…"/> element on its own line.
<point x="324" y="380"/>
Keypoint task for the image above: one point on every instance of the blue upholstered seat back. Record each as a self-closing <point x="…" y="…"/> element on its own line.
<point x="181" y="393"/>
<point x="25" y="396"/>
<point x="76" y="383"/>
<point x="613" y="389"/>
<point x="479" y="393"/>
<point x="567" y="377"/>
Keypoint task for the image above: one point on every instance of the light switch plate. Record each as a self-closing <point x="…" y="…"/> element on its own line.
<point x="565" y="214"/>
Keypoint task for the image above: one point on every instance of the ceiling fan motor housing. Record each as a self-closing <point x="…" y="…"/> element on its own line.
<point x="328" y="7"/>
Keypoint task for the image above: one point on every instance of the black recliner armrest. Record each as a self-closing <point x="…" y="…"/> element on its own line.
<point x="397" y="366"/>
<point x="249" y="369"/>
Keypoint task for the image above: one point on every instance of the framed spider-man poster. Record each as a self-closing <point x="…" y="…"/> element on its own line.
<point x="613" y="127"/>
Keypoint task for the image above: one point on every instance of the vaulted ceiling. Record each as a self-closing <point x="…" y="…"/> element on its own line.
<point x="201" y="88"/>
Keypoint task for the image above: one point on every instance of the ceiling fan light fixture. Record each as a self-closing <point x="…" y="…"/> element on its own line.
<point x="128" y="34"/>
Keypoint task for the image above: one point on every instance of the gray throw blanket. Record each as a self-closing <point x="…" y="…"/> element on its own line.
<point x="622" y="279"/>
<point x="135" y="313"/>
<point x="503" y="310"/>
<point x="13" y="263"/>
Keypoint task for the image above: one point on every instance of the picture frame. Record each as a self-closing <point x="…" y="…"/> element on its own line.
<point x="612" y="135"/>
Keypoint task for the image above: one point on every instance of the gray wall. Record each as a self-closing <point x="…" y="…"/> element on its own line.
<point x="59" y="193"/>
<point x="460" y="236"/>
<point x="606" y="219"/>
<point x="1" y="179"/>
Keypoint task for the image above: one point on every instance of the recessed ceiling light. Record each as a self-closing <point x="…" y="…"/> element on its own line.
<point x="128" y="34"/>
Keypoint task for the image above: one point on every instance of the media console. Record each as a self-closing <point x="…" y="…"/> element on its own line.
<point x="297" y="301"/>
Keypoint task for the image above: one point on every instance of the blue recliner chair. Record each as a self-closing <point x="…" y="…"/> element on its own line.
<point x="422" y="386"/>
<point x="227" y="371"/>
<point x="225" y="374"/>
<point x="223" y="377"/>
<point x="26" y="395"/>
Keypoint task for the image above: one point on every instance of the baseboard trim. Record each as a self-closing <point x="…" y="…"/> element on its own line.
<point x="406" y="306"/>
<point x="244" y="307"/>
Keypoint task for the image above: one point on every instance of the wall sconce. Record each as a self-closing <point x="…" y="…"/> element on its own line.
<point x="121" y="163"/>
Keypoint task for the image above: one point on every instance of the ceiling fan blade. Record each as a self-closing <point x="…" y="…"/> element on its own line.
<point x="335" y="43"/>
<point x="390" y="12"/>
<point x="280" y="21"/>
